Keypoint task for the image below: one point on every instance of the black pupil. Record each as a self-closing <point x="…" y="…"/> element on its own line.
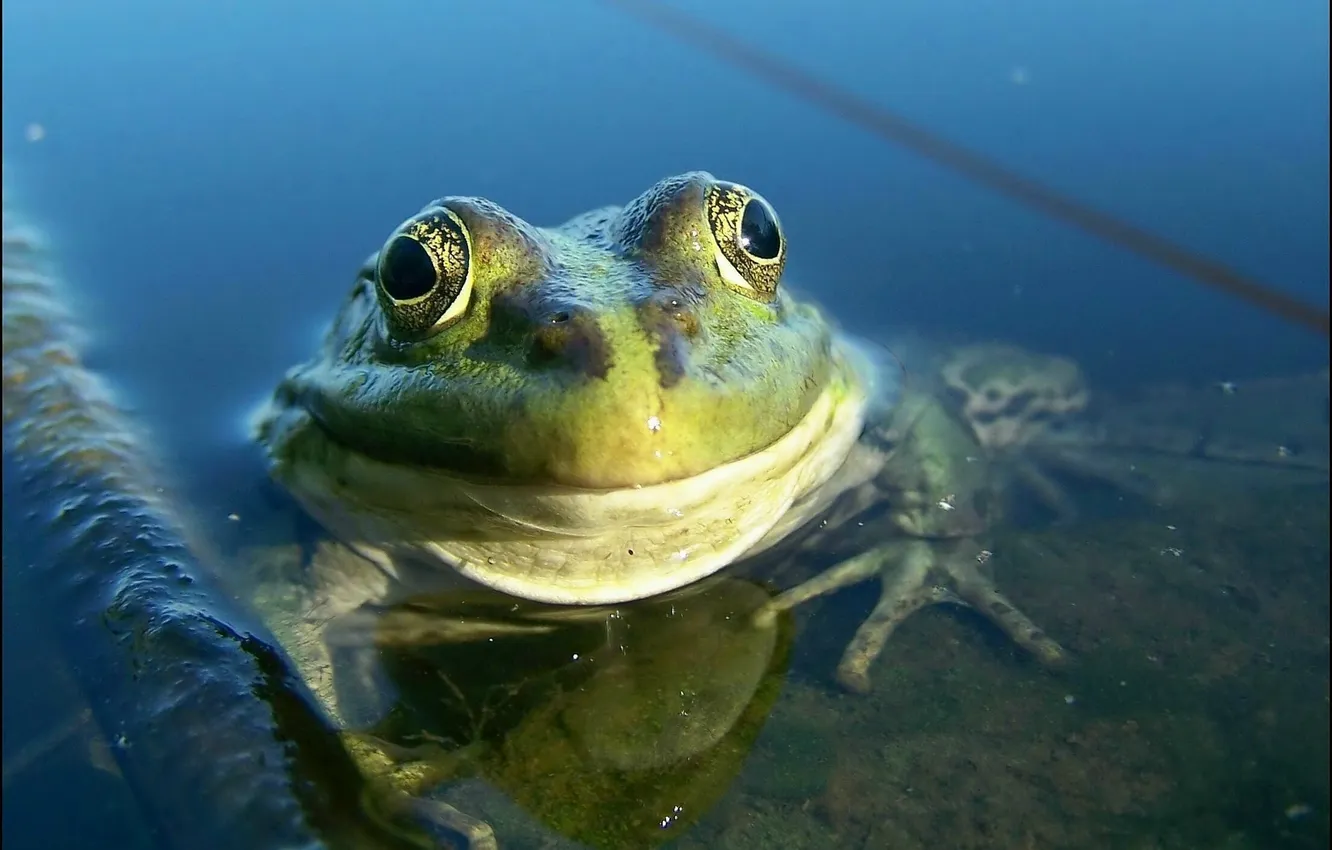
<point x="758" y="231"/>
<point x="406" y="271"/>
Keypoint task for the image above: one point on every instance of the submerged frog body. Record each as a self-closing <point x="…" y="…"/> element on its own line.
<point x="1028" y="413"/>
<point x="977" y="425"/>
<point x="603" y="412"/>
<point x="603" y="727"/>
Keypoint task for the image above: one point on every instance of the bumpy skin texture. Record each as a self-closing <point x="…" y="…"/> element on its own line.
<point x="588" y="414"/>
<point x="609" y="352"/>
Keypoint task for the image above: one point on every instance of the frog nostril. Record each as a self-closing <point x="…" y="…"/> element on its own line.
<point x="669" y="315"/>
<point x="569" y="341"/>
<point x="686" y="321"/>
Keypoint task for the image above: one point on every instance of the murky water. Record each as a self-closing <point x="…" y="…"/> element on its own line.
<point x="1180" y="559"/>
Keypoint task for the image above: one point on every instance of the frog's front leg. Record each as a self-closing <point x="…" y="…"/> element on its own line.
<point x="915" y="573"/>
<point x="324" y="626"/>
<point x="443" y="824"/>
<point x="398" y="781"/>
<point x="303" y="604"/>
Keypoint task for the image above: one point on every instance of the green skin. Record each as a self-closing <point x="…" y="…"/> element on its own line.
<point x="617" y="716"/>
<point x="576" y="337"/>
<point x="943" y="490"/>
<point x="589" y="414"/>
<point x="567" y="376"/>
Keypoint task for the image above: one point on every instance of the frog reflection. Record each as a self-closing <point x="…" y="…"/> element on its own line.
<point x="617" y="727"/>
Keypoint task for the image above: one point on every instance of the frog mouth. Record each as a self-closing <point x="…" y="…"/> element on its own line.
<point x="556" y="543"/>
<point x="640" y="437"/>
<point x="286" y="423"/>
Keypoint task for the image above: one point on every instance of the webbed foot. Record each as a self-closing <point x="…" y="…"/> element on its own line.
<point x="914" y="574"/>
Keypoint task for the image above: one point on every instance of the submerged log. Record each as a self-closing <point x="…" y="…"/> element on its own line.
<point x="220" y="741"/>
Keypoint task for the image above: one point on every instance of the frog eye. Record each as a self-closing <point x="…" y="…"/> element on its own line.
<point x="424" y="274"/>
<point x="751" y="250"/>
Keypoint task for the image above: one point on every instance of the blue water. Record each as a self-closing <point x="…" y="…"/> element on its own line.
<point x="212" y="174"/>
<point x="212" y="161"/>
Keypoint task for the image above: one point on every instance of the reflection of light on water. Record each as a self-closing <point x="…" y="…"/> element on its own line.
<point x="1019" y="76"/>
<point x="34" y="132"/>
<point x="670" y="819"/>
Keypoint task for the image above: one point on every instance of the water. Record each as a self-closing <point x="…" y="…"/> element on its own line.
<point x="211" y="178"/>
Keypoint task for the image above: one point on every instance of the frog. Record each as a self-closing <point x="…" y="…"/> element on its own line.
<point x="990" y="434"/>
<point x="592" y="414"/>
<point x="588" y="414"/>
<point x="981" y="426"/>
<point x="1030" y="412"/>
<point x="606" y="714"/>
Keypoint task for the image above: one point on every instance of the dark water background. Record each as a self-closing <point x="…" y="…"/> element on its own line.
<point x="212" y="174"/>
